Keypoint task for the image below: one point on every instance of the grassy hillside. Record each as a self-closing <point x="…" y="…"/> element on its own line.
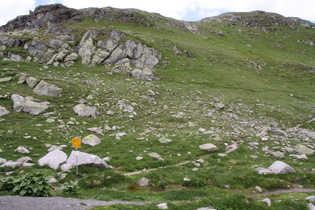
<point x="264" y="79"/>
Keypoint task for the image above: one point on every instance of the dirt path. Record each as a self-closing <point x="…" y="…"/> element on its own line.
<point x="153" y="169"/>
<point x="292" y="190"/>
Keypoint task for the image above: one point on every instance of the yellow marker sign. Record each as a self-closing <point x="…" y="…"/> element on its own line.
<point x="76" y="142"/>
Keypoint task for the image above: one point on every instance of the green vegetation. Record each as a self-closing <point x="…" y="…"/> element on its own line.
<point x="265" y="79"/>
<point x="31" y="184"/>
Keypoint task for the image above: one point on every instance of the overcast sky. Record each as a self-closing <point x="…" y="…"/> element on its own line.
<point x="189" y="10"/>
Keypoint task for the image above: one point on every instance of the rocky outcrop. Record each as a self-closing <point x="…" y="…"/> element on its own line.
<point x="259" y="19"/>
<point x="97" y="46"/>
<point x="28" y="104"/>
<point x="49" y="16"/>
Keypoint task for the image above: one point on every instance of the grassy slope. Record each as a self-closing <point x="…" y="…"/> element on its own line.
<point x="219" y="68"/>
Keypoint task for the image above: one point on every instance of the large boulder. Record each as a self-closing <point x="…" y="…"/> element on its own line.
<point x="53" y="159"/>
<point x="32" y="82"/>
<point x="28" y="104"/>
<point x="44" y="88"/>
<point x="82" y="158"/>
<point x="91" y="140"/>
<point x="85" y="111"/>
<point x="278" y="167"/>
<point x="3" y="111"/>
<point x="301" y="149"/>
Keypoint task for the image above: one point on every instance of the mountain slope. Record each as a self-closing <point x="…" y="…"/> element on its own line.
<point x="240" y="80"/>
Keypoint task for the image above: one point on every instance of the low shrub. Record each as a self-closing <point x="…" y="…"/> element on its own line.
<point x="31" y="184"/>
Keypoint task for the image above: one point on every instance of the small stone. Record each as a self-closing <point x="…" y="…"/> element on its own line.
<point x="258" y="189"/>
<point x="139" y="158"/>
<point x="267" y="201"/>
<point x="143" y="182"/>
<point x="22" y="150"/>
<point x="162" y="206"/>
<point x="165" y="140"/>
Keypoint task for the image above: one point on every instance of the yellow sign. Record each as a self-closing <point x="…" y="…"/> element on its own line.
<point x="76" y="142"/>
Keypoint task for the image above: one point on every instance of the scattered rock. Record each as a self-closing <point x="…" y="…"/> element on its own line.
<point x="53" y="159"/>
<point x="278" y="167"/>
<point x="310" y="206"/>
<point x="3" y="111"/>
<point x="208" y="147"/>
<point x="311" y="198"/>
<point x="28" y="104"/>
<point x="162" y="206"/>
<point x="139" y="158"/>
<point x="32" y="82"/>
<point x="84" y="159"/>
<point x="301" y="149"/>
<point x="258" y="189"/>
<point x="85" y="111"/>
<point x="44" y="88"/>
<point x="299" y="157"/>
<point x="2" y="160"/>
<point x="10" y="164"/>
<point x="155" y="155"/>
<point x="143" y="182"/>
<point x="25" y="160"/>
<point x="91" y="140"/>
<point x="22" y="150"/>
<point x="267" y="201"/>
<point x="5" y="79"/>
<point x="96" y="130"/>
<point x="165" y="140"/>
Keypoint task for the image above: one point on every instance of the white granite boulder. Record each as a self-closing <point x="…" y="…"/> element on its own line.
<point x="85" y="111"/>
<point x="83" y="158"/>
<point x="91" y="140"/>
<point x="28" y="104"/>
<point x="3" y="111"/>
<point x="278" y="167"/>
<point x="44" y="88"/>
<point x="53" y="159"/>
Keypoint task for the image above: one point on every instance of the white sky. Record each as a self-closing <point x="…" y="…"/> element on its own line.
<point x="189" y="10"/>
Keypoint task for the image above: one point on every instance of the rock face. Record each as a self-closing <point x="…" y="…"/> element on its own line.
<point x="262" y="19"/>
<point x="85" y="111"/>
<point x="28" y="104"/>
<point x="48" y="16"/>
<point x="84" y="159"/>
<point x="53" y="159"/>
<point x="95" y="46"/>
<point x="44" y="88"/>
